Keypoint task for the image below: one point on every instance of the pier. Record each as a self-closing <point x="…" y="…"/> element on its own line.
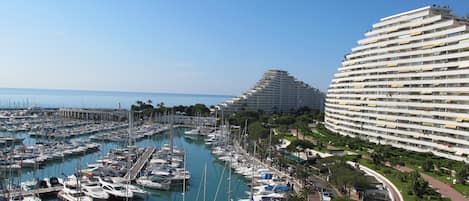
<point x="133" y="172"/>
<point x="39" y="191"/>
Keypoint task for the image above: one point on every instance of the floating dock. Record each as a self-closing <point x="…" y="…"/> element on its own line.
<point x="133" y="172"/>
<point x="39" y="191"/>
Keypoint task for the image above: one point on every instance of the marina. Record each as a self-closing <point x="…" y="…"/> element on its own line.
<point x="196" y="150"/>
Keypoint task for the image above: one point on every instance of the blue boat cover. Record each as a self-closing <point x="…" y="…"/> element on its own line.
<point x="266" y="176"/>
<point x="281" y="188"/>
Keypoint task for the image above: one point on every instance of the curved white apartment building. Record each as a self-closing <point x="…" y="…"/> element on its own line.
<point x="276" y="91"/>
<point x="407" y="84"/>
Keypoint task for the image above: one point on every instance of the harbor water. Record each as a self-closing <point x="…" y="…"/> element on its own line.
<point x="197" y="155"/>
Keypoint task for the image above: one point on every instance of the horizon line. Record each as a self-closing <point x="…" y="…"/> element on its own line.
<point x="98" y="90"/>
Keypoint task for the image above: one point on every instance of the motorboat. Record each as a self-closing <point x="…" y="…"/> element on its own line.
<point x="118" y="191"/>
<point x="72" y="192"/>
<point x="138" y="192"/>
<point x="270" y="197"/>
<point x="93" y="189"/>
<point x="53" y="181"/>
<point x="154" y="182"/>
<point x="26" y="198"/>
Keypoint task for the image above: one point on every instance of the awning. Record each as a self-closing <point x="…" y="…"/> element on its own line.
<point x="428" y="46"/>
<point x="381" y="125"/>
<point x="397" y="85"/>
<point x="451" y="126"/>
<point x="462" y="119"/>
<point x="427" y="68"/>
<point x="404" y="42"/>
<point x="359" y="86"/>
<point x="464" y="41"/>
<point x="427" y="124"/>
<point x="391" y="126"/>
<point x="392" y="65"/>
<point x="416" y="33"/>
<point x="403" y="71"/>
<point x="426" y="92"/>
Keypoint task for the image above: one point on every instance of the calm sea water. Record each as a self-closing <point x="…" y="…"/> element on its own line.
<point x="197" y="153"/>
<point x="13" y="98"/>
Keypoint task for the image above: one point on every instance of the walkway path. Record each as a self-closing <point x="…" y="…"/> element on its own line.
<point x="392" y="189"/>
<point x="445" y="189"/>
<point x="314" y="197"/>
<point x="133" y="172"/>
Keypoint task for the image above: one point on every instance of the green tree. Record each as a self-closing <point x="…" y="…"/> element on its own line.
<point x="427" y="165"/>
<point x="418" y="185"/>
<point x="377" y="157"/>
<point x="462" y="174"/>
<point x="256" y="130"/>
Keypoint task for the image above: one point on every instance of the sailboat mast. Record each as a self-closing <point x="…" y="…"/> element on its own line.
<point x="252" y="172"/>
<point x="229" y="179"/>
<point x="131" y="124"/>
<point x="171" y="137"/>
<point x="270" y="145"/>
<point x="205" y="181"/>
<point x="184" y="180"/>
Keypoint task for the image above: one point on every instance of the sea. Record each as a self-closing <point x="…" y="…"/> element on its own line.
<point x="54" y="98"/>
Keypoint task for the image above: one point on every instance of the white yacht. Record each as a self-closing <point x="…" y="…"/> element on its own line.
<point x="270" y="197"/>
<point x="138" y="192"/>
<point x="26" y="198"/>
<point x="154" y="182"/>
<point x="118" y="191"/>
<point x="94" y="190"/>
<point x="195" y="131"/>
<point x="71" y="192"/>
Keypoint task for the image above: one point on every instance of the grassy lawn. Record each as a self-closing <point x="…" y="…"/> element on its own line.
<point x="290" y="138"/>
<point x="392" y="175"/>
<point x="463" y="189"/>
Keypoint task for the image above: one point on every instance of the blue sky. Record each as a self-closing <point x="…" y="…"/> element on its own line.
<point x="202" y="46"/>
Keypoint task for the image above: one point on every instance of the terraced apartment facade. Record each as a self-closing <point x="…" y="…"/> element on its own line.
<point x="407" y="84"/>
<point x="276" y="91"/>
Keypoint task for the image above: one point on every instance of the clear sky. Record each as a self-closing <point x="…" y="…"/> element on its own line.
<point x="192" y="46"/>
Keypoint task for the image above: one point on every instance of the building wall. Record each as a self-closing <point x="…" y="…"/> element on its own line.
<point x="94" y="114"/>
<point x="407" y="84"/>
